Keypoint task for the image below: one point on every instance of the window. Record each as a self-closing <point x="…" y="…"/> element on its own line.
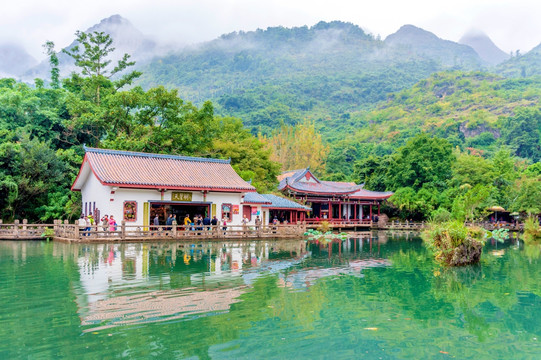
<point x="226" y="211"/>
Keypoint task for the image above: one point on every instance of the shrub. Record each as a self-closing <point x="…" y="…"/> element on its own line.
<point x="532" y="230"/>
<point x="454" y="243"/>
<point x="324" y="227"/>
<point x="440" y="215"/>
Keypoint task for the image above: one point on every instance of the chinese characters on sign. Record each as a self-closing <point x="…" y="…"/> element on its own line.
<point x="181" y="196"/>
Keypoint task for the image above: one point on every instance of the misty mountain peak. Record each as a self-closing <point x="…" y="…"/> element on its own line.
<point x="126" y="39"/>
<point x="411" y="34"/>
<point x="419" y="42"/>
<point x="483" y="45"/>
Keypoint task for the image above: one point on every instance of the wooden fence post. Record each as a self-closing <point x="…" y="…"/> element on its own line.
<point x="66" y="227"/>
<point x="16" y="229"/>
<point x="123" y="229"/>
<point x="76" y="233"/>
<point x="174" y="228"/>
<point x="25" y="227"/>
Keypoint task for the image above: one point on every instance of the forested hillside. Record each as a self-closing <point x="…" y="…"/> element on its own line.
<point x="524" y="65"/>
<point x="472" y="110"/>
<point x="323" y="72"/>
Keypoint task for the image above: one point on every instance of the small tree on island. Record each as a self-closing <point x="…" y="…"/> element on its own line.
<point x="455" y="244"/>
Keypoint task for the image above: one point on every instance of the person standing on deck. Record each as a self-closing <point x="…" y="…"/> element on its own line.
<point x="224" y="223"/>
<point x="187" y="222"/>
<point x="156" y="222"/>
<point x="257" y="223"/>
<point x="169" y="221"/>
<point x="112" y="223"/>
<point x="82" y="224"/>
<point x="206" y="222"/>
<point x="105" y="222"/>
<point x="88" y="225"/>
<point x="244" y="225"/>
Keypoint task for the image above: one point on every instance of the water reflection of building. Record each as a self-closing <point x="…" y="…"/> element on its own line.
<point x="131" y="283"/>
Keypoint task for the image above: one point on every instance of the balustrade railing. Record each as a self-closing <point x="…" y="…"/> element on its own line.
<point x="74" y="232"/>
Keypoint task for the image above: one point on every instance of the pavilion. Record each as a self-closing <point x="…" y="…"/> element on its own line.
<point x="332" y="200"/>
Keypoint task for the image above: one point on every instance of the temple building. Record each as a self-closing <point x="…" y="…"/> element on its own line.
<point x="331" y="200"/>
<point x="136" y="187"/>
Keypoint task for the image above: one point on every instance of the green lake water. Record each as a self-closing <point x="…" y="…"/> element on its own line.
<point x="379" y="296"/>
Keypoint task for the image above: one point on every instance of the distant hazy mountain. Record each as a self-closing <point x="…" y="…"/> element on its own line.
<point x="14" y="60"/>
<point x="126" y="39"/>
<point x="483" y="45"/>
<point x="422" y="43"/>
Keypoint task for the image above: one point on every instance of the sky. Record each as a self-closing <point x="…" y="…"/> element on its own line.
<point x="511" y="24"/>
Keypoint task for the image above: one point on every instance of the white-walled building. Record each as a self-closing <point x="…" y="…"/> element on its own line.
<point x="135" y="187"/>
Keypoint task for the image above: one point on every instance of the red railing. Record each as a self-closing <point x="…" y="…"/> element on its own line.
<point x="338" y="221"/>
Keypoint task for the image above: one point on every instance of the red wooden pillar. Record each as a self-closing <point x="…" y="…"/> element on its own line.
<point x="330" y="210"/>
<point x="355" y="211"/>
<point x="370" y="212"/>
<point x="379" y="208"/>
<point x="339" y="210"/>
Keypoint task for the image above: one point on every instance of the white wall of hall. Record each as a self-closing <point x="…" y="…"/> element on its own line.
<point x="93" y="191"/>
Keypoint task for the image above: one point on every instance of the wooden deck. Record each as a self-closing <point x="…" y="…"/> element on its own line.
<point x="63" y="231"/>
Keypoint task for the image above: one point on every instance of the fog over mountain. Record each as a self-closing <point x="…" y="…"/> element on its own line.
<point x="14" y="60"/>
<point x="475" y="50"/>
<point x="483" y="45"/>
<point x="127" y="39"/>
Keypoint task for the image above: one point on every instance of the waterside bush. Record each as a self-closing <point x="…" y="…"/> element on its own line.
<point x="324" y="227"/>
<point x="532" y="231"/>
<point x="455" y="244"/>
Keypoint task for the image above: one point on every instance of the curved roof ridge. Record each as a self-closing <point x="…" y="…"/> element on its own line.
<point x="156" y="156"/>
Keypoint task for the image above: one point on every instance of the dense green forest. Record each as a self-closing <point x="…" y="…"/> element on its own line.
<point x="448" y="143"/>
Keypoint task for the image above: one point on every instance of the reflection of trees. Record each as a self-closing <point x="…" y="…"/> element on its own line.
<point x="532" y="251"/>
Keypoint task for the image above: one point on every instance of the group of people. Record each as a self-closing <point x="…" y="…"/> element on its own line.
<point x="198" y="223"/>
<point x="87" y="221"/>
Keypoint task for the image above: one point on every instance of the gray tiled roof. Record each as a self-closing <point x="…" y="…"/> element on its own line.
<point x="255" y="198"/>
<point x="279" y="202"/>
